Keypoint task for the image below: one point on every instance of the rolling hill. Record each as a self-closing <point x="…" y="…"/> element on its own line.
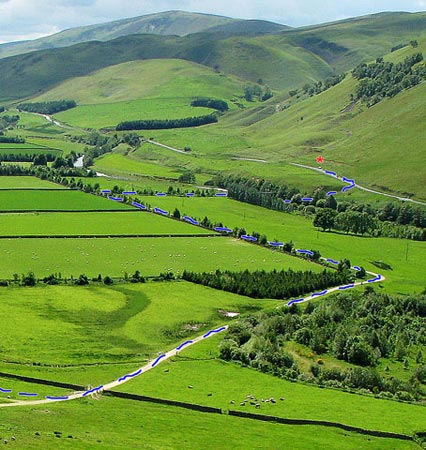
<point x="179" y="23"/>
<point x="284" y="60"/>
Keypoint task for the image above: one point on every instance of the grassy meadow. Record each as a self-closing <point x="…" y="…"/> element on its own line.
<point x="94" y="223"/>
<point x="402" y="255"/>
<point x="60" y="199"/>
<point x="116" y="256"/>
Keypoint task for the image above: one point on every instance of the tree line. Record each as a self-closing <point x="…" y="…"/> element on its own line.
<point x="11" y="140"/>
<point x="390" y="220"/>
<point x="383" y="79"/>
<point x="281" y="284"/>
<point x="35" y="158"/>
<point x="362" y="223"/>
<point x="320" y="86"/>
<point x="47" y="107"/>
<point x="219" y="105"/>
<point x="358" y="328"/>
<point x="161" y="124"/>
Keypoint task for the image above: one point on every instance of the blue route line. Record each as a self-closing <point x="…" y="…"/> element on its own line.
<point x="158" y="360"/>
<point x="93" y="390"/>
<point x="116" y="199"/>
<point x="378" y="278"/>
<point x="332" y="261"/>
<point x="249" y="238"/>
<point x="131" y="375"/>
<point x="50" y="397"/>
<point x="214" y="331"/>
<point x="129" y="193"/>
<point x="6" y="391"/>
<point x="161" y="194"/>
<point x="307" y="199"/>
<point x="161" y="211"/>
<point x="224" y="229"/>
<point x="357" y="268"/>
<point x="276" y="244"/>
<point x="307" y="252"/>
<point x="329" y="172"/>
<point x="221" y="194"/>
<point x="190" y="194"/>
<point x="183" y="345"/>
<point x="138" y="205"/>
<point x="191" y="220"/>
<point x="317" y="294"/>
<point x="331" y="193"/>
<point x="299" y="300"/>
<point x="27" y="394"/>
<point x="349" y="286"/>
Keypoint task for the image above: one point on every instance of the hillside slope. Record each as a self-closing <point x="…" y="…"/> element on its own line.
<point x="179" y="23"/>
<point x="284" y="60"/>
<point x="150" y="89"/>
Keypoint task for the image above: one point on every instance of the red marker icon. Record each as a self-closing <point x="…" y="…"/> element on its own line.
<point x="320" y="159"/>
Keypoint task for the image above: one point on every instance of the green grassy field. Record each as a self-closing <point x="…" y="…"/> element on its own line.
<point x="402" y="255"/>
<point x="115" y="256"/>
<point x="27" y="183"/>
<point x="111" y="114"/>
<point x="125" y="324"/>
<point x="116" y="93"/>
<point x="94" y="223"/>
<point x="119" y="164"/>
<point x="61" y="199"/>
<point x="119" y="324"/>
<point x="301" y="401"/>
<point x="151" y="426"/>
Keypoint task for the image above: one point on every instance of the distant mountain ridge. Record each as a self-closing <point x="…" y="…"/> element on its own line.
<point x="176" y="23"/>
<point x="252" y="50"/>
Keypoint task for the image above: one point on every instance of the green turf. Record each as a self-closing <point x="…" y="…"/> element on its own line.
<point x="88" y="424"/>
<point x="123" y="323"/>
<point x="27" y="183"/>
<point x="115" y="256"/>
<point x="300" y="401"/>
<point x="94" y="223"/>
<point x="119" y="164"/>
<point x="39" y="200"/>
<point x="402" y="255"/>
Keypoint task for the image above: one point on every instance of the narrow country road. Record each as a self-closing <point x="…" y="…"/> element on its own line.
<point x="403" y="199"/>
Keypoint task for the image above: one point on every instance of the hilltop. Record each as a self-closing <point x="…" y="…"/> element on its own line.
<point x="176" y="23"/>
<point x="251" y="50"/>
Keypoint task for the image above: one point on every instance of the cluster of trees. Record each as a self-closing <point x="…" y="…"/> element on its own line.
<point x="363" y="223"/>
<point x="256" y="191"/>
<point x="187" y="177"/>
<point x="98" y="144"/>
<point x="161" y="124"/>
<point x="359" y="328"/>
<point x="11" y="140"/>
<point x="37" y="158"/>
<point x="213" y="103"/>
<point x="320" y="86"/>
<point x="385" y="79"/>
<point x="256" y="91"/>
<point x="281" y="284"/>
<point x="47" y="107"/>
<point x="391" y="219"/>
<point x="2" y="109"/>
<point x="8" y="120"/>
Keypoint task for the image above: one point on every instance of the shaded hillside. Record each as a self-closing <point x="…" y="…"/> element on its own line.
<point x="283" y="60"/>
<point x="178" y="23"/>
